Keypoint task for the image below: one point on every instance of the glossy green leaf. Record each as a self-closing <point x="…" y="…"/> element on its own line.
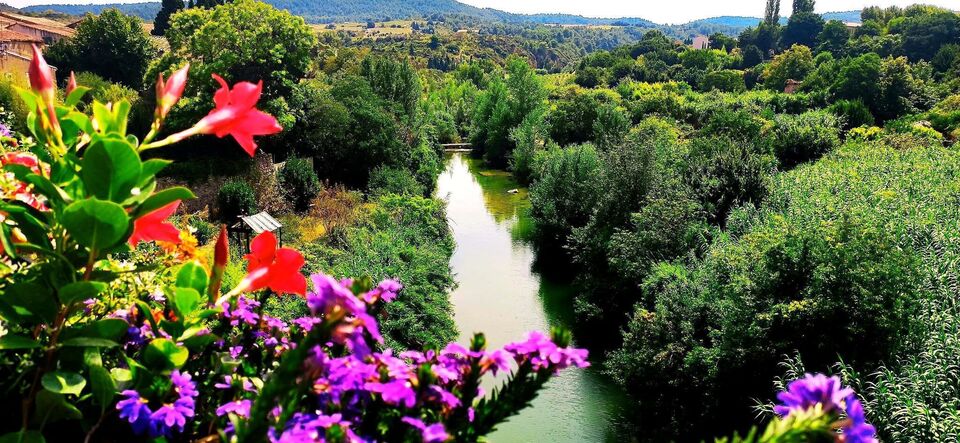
<point x="82" y="290"/>
<point x="63" y="382"/>
<point x="164" y="354"/>
<point x="11" y="342"/>
<point x="76" y="95"/>
<point x="193" y="275"/>
<point x="103" y="386"/>
<point x="185" y="301"/>
<point x="89" y="342"/>
<point x="163" y="198"/>
<point x="151" y="168"/>
<point x="109" y="328"/>
<point x="96" y="223"/>
<point x="32" y="297"/>
<point x="23" y="437"/>
<point x="52" y="407"/>
<point x="111" y="169"/>
<point x="121" y="377"/>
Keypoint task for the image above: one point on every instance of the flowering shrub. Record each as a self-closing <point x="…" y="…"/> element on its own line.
<point x="88" y="343"/>
<point x="816" y="408"/>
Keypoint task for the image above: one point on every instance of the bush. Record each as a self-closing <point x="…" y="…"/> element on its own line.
<point x="234" y="199"/>
<point x="805" y="137"/>
<point x="726" y="80"/>
<point x="299" y="182"/>
<point x="386" y="180"/>
<point x="852" y="113"/>
<point x="104" y="90"/>
<point x="565" y="191"/>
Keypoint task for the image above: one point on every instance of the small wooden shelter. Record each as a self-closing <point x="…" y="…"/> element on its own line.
<point x="253" y="225"/>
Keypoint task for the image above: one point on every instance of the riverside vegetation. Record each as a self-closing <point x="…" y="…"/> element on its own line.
<point x="752" y="235"/>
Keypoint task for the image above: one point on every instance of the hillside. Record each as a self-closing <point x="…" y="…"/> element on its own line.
<point x="380" y="10"/>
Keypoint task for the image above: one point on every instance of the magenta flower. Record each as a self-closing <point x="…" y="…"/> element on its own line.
<point x="431" y="433"/>
<point x="172" y="417"/>
<point x="397" y="392"/>
<point x="811" y="390"/>
<point x="239" y="407"/>
<point x="542" y="353"/>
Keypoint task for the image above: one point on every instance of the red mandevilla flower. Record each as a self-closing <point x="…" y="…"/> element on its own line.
<point x="13" y="189"/>
<point x="170" y="91"/>
<point x="277" y="269"/>
<point x="153" y="226"/>
<point x="221" y="255"/>
<point x="236" y="114"/>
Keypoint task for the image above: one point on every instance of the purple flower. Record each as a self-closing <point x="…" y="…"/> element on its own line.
<point x="172" y="416"/>
<point x="811" y="390"/>
<point x="856" y="429"/>
<point x="134" y="409"/>
<point x="183" y="384"/>
<point x="243" y="311"/>
<point x="239" y="407"/>
<point x="5" y="131"/>
<point x="431" y="433"/>
<point x="307" y="323"/>
<point x="397" y="392"/>
<point x="542" y="353"/>
<point x="328" y="292"/>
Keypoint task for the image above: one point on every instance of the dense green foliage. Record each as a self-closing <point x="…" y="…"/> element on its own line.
<point x="299" y="181"/>
<point x="236" y="198"/>
<point x="111" y="45"/>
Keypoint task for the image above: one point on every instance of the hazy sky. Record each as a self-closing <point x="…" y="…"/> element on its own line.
<point x="662" y="11"/>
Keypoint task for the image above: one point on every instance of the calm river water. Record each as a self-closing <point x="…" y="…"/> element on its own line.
<point x="500" y="294"/>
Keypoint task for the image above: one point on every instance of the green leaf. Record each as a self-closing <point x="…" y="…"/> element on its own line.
<point x="32" y="297"/>
<point x="185" y="301"/>
<point x="111" y="169"/>
<point x="52" y="407"/>
<point x="23" y="437"/>
<point x="103" y="386"/>
<point x="11" y="342"/>
<point x="63" y="382"/>
<point x="122" y="377"/>
<point x="89" y="342"/>
<point x="151" y="168"/>
<point x="41" y="184"/>
<point x="76" y="95"/>
<point x="96" y="224"/>
<point x="80" y="291"/>
<point x="193" y="275"/>
<point x="108" y="329"/>
<point x="163" y="198"/>
<point x="164" y="354"/>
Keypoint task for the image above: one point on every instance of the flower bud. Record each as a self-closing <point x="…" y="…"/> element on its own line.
<point x="221" y="255"/>
<point x="170" y="91"/>
<point x="41" y="76"/>
<point x="71" y="84"/>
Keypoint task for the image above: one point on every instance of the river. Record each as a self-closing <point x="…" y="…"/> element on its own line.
<point x="500" y="294"/>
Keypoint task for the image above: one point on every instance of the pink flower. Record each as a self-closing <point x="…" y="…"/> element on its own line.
<point x="236" y="114"/>
<point x="72" y="83"/>
<point x="169" y="92"/>
<point x="41" y="76"/>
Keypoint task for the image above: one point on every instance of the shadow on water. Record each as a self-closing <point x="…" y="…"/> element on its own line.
<point x="500" y="293"/>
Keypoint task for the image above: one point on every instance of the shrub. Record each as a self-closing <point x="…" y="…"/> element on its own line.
<point x="805" y="137"/>
<point x="299" y="182"/>
<point x="724" y="80"/>
<point x="234" y="199"/>
<point x="852" y="113"/>
<point x="565" y="190"/>
<point x="386" y="180"/>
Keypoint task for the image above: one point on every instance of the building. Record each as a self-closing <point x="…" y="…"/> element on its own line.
<point x="701" y="42"/>
<point x="49" y="31"/>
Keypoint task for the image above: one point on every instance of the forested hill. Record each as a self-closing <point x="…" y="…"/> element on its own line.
<point x="362" y="10"/>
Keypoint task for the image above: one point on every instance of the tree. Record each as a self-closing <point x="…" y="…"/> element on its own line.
<point x="719" y="40"/>
<point x="860" y="79"/>
<point x="167" y="8"/>
<point x="793" y="64"/>
<point x="803" y="6"/>
<point x="111" y="45"/>
<point x="923" y="35"/>
<point x="802" y="29"/>
<point x="394" y="81"/>
<point x="245" y="40"/>
<point x="833" y="38"/>
<point x="771" y="15"/>
<point x="752" y="56"/>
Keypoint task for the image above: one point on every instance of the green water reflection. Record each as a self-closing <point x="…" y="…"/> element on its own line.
<point x="501" y="295"/>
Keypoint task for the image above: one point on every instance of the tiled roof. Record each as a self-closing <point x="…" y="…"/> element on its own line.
<point x="59" y="30"/>
<point x="7" y="35"/>
<point x="29" y="19"/>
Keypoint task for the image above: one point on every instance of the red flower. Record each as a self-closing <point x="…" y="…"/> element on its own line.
<point x="41" y="76"/>
<point x="236" y="114"/>
<point x="169" y="92"/>
<point x="71" y="84"/>
<point x="153" y="226"/>
<point x="13" y="189"/>
<point x="277" y="269"/>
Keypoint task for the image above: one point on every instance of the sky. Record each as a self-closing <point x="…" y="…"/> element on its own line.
<point x="660" y="11"/>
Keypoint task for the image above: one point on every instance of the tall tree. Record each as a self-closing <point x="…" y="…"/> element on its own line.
<point x="162" y="22"/>
<point x="803" y="6"/>
<point x="772" y="14"/>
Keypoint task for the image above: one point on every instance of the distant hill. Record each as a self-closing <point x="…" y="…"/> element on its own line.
<point x="323" y="11"/>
